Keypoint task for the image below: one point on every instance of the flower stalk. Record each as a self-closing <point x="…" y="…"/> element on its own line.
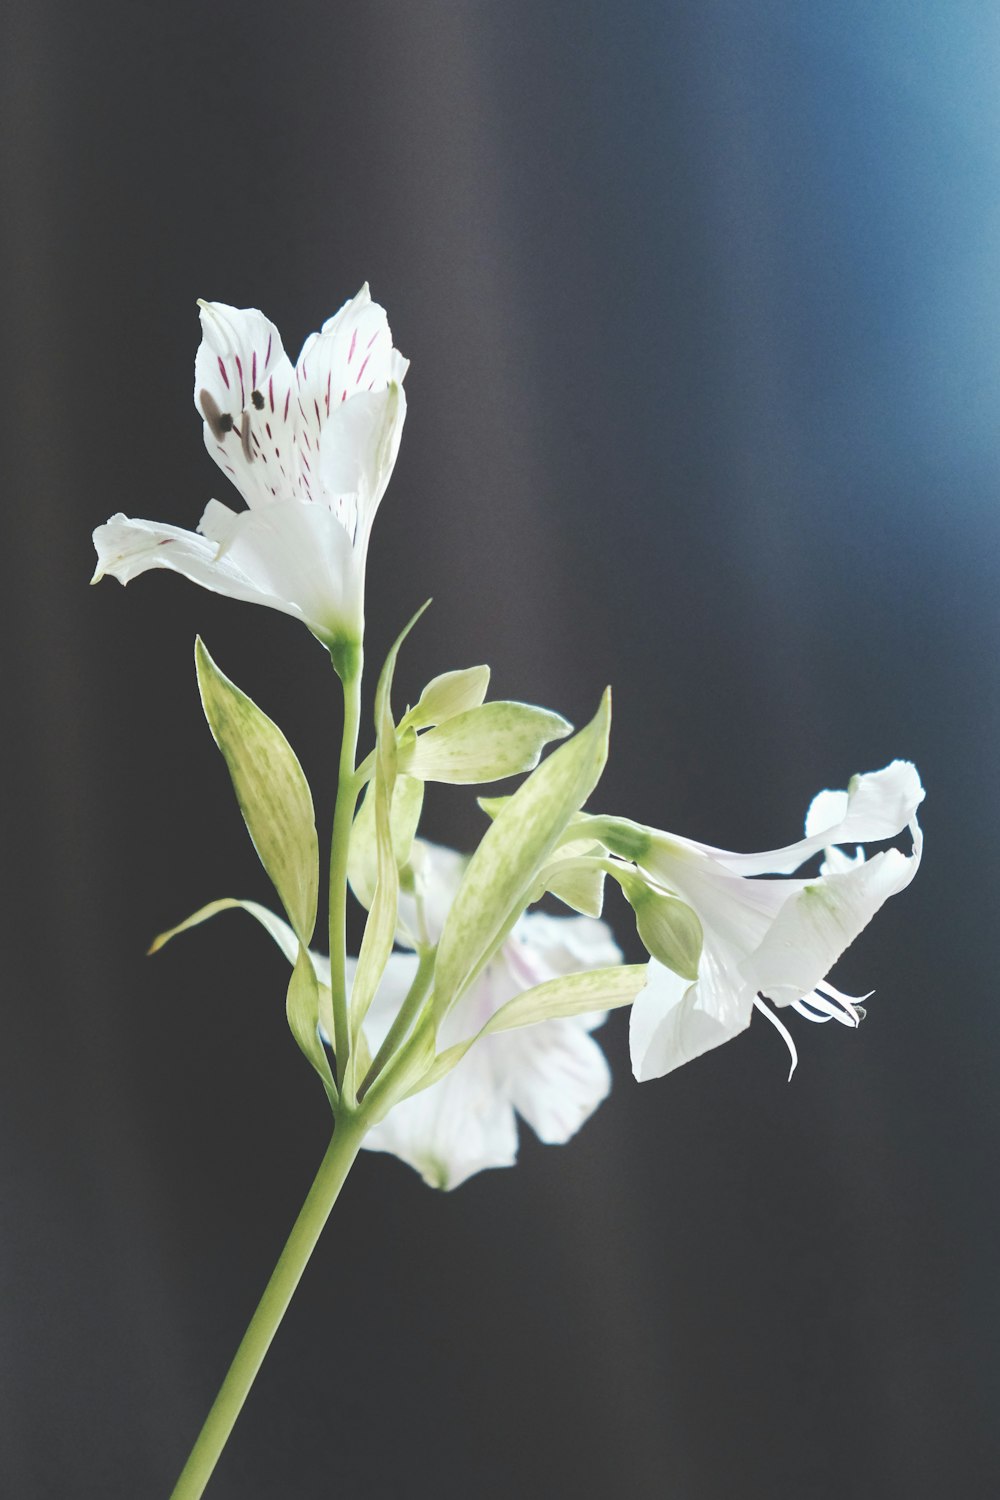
<point x="347" y="796"/>
<point x="294" y="1258"/>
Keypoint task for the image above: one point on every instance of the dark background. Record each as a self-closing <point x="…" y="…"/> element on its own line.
<point x="701" y="301"/>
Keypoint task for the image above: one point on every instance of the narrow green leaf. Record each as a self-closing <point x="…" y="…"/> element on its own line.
<point x="450" y="694"/>
<point x="484" y="744"/>
<point x="501" y="875"/>
<point x="571" y="995"/>
<point x="279" y="930"/>
<point x="556" y="999"/>
<point x="380" y="929"/>
<point x="271" y="789"/>
<point x="306" y="1006"/>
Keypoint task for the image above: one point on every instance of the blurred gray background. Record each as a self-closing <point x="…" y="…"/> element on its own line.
<point x="701" y="303"/>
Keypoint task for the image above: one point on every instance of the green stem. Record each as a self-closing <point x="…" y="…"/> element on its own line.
<point x="336" y="1164"/>
<point x="405" y="1016"/>
<point x="348" y="789"/>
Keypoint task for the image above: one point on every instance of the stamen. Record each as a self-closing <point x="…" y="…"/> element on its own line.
<point x="257" y="399"/>
<point x="782" y="1031"/>
<point x="220" y="422"/>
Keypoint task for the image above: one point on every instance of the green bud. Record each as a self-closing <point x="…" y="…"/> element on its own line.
<point x="447" y="696"/>
<point x="670" y="929"/>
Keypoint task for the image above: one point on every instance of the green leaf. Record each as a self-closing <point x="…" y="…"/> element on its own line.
<point x="492" y="805"/>
<point x="556" y="999"/>
<point x="271" y="789"/>
<point x="279" y="930"/>
<point x="500" y="876"/>
<point x="307" y="1005"/>
<point x="448" y="695"/>
<point x="404" y="817"/>
<point x="483" y="744"/>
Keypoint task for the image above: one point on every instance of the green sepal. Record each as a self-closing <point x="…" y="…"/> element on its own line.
<point x="308" y="1005"/>
<point x="556" y="999"/>
<point x="501" y="875"/>
<point x="271" y="790"/>
<point x="448" y="695"/>
<point x="670" y="929"/>
<point x="483" y="744"/>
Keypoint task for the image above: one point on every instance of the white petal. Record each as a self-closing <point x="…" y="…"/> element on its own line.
<point x="673" y="1021"/>
<point x="556" y="1076"/>
<point x="303" y="555"/>
<point x="565" y="945"/>
<point x="244" y="390"/>
<point x="359" y="450"/>
<point x="878" y="805"/>
<point x="126" y="548"/>
<point x="352" y="357"/>
<point x="462" y="1125"/>
<point x="437" y="873"/>
<point x="399" y="974"/>
<point x="813" y="930"/>
<point x="542" y="947"/>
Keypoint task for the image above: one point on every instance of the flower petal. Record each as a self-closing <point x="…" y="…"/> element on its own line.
<point x="126" y="548"/>
<point x="244" y="390"/>
<point x="878" y="805"/>
<point x="460" y="1126"/>
<point x="814" y="928"/>
<point x="556" y="1076"/>
<point x="301" y="553"/>
<point x="350" y="359"/>
<point x="673" y="1021"/>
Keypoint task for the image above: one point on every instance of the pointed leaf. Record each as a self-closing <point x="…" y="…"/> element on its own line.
<point x="501" y="875"/>
<point x="556" y="999"/>
<point x="279" y="930"/>
<point x="483" y="744"/>
<point x="271" y="789"/>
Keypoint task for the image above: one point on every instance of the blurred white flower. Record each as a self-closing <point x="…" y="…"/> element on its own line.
<point x="553" y="1074"/>
<point x="775" y="939"/>
<point x="311" y="450"/>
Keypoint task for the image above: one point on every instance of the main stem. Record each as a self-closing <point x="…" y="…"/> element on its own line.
<point x="336" y="1164"/>
<point x="347" y="797"/>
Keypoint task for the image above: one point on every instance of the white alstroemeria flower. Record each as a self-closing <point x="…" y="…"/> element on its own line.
<point x="553" y="1074"/>
<point x="775" y="939"/>
<point x="311" y="450"/>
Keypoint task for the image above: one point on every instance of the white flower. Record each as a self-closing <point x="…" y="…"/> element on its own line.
<point x="773" y="938"/>
<point x="311" y="450"/>
<point x="553" y="1074"/>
